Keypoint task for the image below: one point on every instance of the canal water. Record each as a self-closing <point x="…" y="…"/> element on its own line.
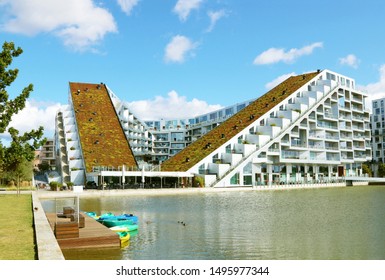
<point x="316" y="224"/>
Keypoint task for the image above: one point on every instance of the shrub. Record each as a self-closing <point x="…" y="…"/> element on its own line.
<point x="199" y="181"/>
<point x="55" y="185"/>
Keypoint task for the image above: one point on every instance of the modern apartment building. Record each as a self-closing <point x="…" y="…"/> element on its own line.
<point x="46" y="154"/>
<point x="378" y="130"/>
<point x="309" y="128"/>
<point x="312" y="127"/>
<point x="90" y="134"/>
<point x="169" y="137"/>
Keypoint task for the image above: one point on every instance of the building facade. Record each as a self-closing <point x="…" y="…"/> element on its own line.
<point x="46" y="155"/>
<point x="310" y="128"/>
<point x="378" y="130"/>
<point x="169" y="137"/>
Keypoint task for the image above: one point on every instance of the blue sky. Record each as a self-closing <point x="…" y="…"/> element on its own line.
<point x="186" y="57"/>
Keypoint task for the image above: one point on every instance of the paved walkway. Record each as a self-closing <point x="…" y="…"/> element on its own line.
<point x="47" y="246"/>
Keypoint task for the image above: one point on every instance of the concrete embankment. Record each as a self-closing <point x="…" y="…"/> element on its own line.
<point x="46" y="243"/>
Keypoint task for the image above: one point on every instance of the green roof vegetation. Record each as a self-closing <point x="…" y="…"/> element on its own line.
<point x="101" y="135"/>
<point x="201" y="148"/>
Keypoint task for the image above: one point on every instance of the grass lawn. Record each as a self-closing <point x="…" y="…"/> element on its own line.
<point x="17" y="240"/>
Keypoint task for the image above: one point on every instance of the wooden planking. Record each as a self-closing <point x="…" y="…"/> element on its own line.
<point x="92" y="235"/>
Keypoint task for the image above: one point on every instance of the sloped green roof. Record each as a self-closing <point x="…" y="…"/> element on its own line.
<point x="101" y="135"/>
<point x="201" y="148"/>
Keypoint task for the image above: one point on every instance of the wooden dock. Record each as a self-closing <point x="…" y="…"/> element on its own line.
<point x="92" y="235"/>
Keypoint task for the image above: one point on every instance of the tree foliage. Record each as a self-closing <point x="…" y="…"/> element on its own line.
<point x="9" y="107"/>
<point x="15" y="157"/>
<point x="381" y="169"/>
<point x="366" y="170"/>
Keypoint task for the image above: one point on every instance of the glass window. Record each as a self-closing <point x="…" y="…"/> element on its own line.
<point x="347" y="83"/>
<point x="203" y="119"/>
<point x="247" y="168"/>
<point x="229" y="111"/>
<point x="240" y="107"/>
<point x="235" y="179"/>
<point x="177" y="136"/>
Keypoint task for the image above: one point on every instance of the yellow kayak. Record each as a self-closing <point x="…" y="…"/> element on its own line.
<point x="124" y="236"/>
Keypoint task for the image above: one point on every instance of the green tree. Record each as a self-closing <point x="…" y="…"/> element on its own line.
<point x="381" y="170"/>
<point x="21" y="150"/>
<point x="366" y="170"/>
<point x="44" y="167"/>
<point x="9" y="107"/>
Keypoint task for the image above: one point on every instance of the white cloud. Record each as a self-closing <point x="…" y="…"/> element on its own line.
<point x="350" y="60"/>
<point x="80" y="24"/>
<point x="178" y="48"/>
<point x="214" y="17"/>
<point x="127" y="5"/>
<point x="184" y="7"/>
<point x="171" y="107"/>
<point x="279" y="80"/>
<point x="274" y="55"/>
<point x="34" y="115"/>
<point x="375" y="90"/>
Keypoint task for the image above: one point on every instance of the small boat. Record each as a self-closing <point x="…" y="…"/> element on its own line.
<point x="124" y="228"/>
<point x="116" y="222"/>
<point x="124" y="236"/>
<point x="92" y="214"/>
<point x="112" y="220"/>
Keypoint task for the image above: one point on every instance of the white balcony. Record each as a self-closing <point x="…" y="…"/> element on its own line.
<point x="218" y="168"/>
<point x="231" y="159"/>
<point x="259" y="140"/>
<point x="289" y="114"/>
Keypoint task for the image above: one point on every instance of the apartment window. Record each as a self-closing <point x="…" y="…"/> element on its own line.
<point x="203" y="119"/>
<point x="247" y="169"/>
<point x="348" y="83"/>
<point x="229" y="111"/>
<point x="377" y="111"/>
<point x="177" y="136"/>
<point x="177" y="146"/>
<point x="235" y="179"/>
<point x="240" y="107"/>
<point x="213" y="116"/>
<point x="375" y="104"/>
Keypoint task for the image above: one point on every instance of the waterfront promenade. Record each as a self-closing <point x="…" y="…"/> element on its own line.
<point x="44" y="194"/>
